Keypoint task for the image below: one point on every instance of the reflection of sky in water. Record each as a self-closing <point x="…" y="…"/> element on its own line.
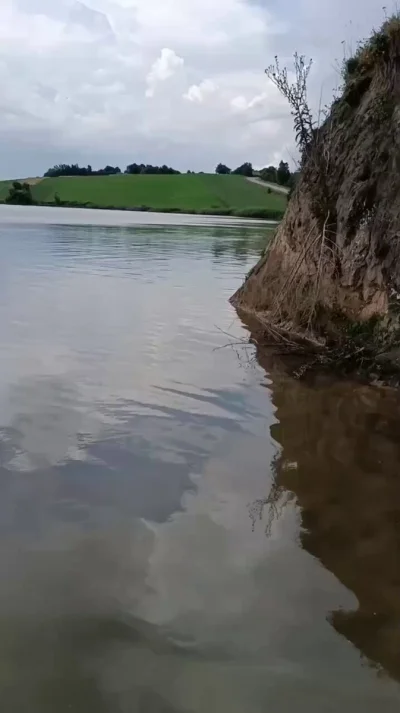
<point x="131" y="448"/>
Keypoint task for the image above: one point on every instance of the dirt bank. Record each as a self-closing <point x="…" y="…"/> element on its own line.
<point x="332" y="271"/>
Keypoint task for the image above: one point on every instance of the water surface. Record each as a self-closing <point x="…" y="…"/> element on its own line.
<point x="182" y="528"/>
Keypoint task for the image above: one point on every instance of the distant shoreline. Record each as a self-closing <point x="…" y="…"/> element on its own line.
<point x="194" y="194"/>
<point x="248" y="214"/>
<point x="48" y="215"/>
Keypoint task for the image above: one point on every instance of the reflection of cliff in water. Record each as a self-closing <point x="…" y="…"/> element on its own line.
<point x="341" y="460"/>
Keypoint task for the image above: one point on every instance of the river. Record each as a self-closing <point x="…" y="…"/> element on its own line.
<point x="184" y="527"/>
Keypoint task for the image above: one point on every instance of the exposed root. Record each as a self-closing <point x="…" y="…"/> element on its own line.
<point x="360" y="355"/>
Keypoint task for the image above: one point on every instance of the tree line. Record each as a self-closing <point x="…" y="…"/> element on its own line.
<point x="280" y="175"/>
<point x="65" y="169"/>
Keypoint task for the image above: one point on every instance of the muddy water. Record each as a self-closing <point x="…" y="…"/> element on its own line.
<point x="182" y="528"/>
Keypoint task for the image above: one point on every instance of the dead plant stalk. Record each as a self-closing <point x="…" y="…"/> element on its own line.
<point x="319" y="271"/>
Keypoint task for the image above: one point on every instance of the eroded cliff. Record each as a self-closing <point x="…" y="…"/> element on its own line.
<point x="335" y="260"/>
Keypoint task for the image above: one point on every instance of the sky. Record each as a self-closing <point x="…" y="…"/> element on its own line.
<point x="179" y="82"/>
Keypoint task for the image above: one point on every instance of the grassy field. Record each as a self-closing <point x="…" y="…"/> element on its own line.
<point x="4" y="188"/>
<point x="201" y="193"/>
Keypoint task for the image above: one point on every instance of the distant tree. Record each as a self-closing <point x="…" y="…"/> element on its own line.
<point x="246" y="169"/>
<point x="132" y="169"/>
<point x="20" y="194"/>
<point x="283" y="174"/>
<point x="135" y="168"/>
<point x="222" y="169"/>
<point x="74" y="169"/>
<point x="269" y="174"/>
<point x="107" y="171"/>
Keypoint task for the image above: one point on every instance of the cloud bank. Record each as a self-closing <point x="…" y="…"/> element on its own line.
<point x="160" y="81"/>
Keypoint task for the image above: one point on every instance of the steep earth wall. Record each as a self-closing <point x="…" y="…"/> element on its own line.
<point x="335" y="259"/>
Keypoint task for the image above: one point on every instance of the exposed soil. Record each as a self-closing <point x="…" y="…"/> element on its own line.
<point x="332" y="272"/>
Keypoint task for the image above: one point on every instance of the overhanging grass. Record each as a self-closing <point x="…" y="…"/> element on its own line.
<point x="373" y="50"/>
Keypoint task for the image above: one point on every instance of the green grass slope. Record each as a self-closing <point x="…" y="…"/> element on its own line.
<point x="186" y="192"/>
<point x="4" y="189"/>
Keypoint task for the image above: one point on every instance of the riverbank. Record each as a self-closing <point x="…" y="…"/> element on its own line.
<point x="50" y="215"/>
<point x="332" y="274"/>
<point x="355" y="354"/>
<point x="249" y="213"/>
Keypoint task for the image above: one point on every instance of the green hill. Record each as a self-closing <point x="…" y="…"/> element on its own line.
<point x="4" y="189"/>
<point x="193" y="193"/>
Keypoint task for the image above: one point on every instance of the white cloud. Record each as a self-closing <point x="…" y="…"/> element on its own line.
<point x="240" y="103"/>
<point x="163" y="68"/>
<point x="198" y="92"/>
<point x="76" y="75"/>
<point x="195" y="22"/>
